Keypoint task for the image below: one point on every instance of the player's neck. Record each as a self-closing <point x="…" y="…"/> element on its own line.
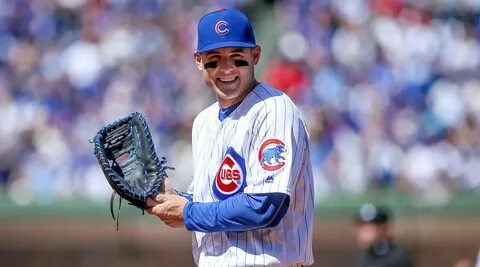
<point x="225" y="103"/>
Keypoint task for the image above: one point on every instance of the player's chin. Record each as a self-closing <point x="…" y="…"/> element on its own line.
<point x="229" y="91"/>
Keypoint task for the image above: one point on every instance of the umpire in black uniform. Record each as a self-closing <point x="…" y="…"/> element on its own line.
<point x="373" y="231"/>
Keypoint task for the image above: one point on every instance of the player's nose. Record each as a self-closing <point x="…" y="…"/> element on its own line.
<point x="227" y="65"/>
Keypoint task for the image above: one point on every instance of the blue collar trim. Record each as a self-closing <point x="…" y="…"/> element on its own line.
<point x="223" y="113"/>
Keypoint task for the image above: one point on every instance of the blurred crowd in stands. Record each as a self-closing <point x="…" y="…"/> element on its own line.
<point x="390" y="89"/>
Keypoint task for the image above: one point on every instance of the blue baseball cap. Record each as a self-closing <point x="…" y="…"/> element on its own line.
<point x="224" y="28"/>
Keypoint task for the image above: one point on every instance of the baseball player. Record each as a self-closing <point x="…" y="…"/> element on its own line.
<point x="251" y="199"/>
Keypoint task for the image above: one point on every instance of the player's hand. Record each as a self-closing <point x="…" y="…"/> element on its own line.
<point x="168" y="208"/>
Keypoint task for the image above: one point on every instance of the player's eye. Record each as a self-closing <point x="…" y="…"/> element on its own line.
<point x="241" y="63"/>
<point x="210" y="65"/>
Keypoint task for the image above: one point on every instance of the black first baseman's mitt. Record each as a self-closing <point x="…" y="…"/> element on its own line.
<point x="125" y="152"/>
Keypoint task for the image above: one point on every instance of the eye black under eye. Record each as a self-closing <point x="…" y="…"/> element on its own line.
<point x="210" y="65"/>
<point x="214" y="64"/>
<point x="241" y="63"/>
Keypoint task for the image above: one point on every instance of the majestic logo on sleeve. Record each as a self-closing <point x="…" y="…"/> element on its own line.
<point x="230" y="178"/>
<point x="221" y="27"/>
<point x="272" y="154"/>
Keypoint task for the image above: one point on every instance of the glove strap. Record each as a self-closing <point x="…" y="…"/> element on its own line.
<point x="118" y="211"/>
<point x="112" y="198"/>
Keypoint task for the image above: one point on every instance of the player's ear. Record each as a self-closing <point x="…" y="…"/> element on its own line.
<point x="256" y="51"/>
<point x="198" y="60"/>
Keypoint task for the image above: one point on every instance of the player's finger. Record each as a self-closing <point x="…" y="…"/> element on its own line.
<point x="160" y="198"/>
<point x="150" y="211"/>
<point x="151" y="203"/>
<point x="159" y="210"/>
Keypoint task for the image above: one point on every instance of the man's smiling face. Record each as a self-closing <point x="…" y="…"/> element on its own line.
<point x="229" y="72"/>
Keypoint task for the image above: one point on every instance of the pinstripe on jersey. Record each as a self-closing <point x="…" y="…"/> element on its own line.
<point x="265" y="114"/>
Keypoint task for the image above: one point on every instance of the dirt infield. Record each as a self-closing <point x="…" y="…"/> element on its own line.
<point x="144" y="241"/>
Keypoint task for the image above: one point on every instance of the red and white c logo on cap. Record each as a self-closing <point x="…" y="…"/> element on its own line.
<point x="221" y="27"/>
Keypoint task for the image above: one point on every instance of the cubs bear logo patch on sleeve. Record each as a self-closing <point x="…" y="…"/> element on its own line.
<point x="271" y="154"/>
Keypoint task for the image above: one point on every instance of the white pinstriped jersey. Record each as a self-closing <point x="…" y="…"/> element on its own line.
<point x="261" y="147"/>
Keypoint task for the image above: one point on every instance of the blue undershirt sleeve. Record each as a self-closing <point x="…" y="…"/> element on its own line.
<point x="241" y="212"/>
<point x="186" y="195"/>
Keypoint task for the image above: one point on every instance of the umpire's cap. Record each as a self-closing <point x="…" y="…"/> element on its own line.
<point x="224" y="28"/>
<point x="371" y="213"/>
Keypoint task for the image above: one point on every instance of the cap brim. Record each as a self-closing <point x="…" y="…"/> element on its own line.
<point x="225" y="44"/>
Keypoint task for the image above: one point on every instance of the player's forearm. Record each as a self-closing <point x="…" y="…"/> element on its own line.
<point x="238" y="213"/>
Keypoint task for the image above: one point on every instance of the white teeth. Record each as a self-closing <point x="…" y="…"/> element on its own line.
<point x="227" y="79"/>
